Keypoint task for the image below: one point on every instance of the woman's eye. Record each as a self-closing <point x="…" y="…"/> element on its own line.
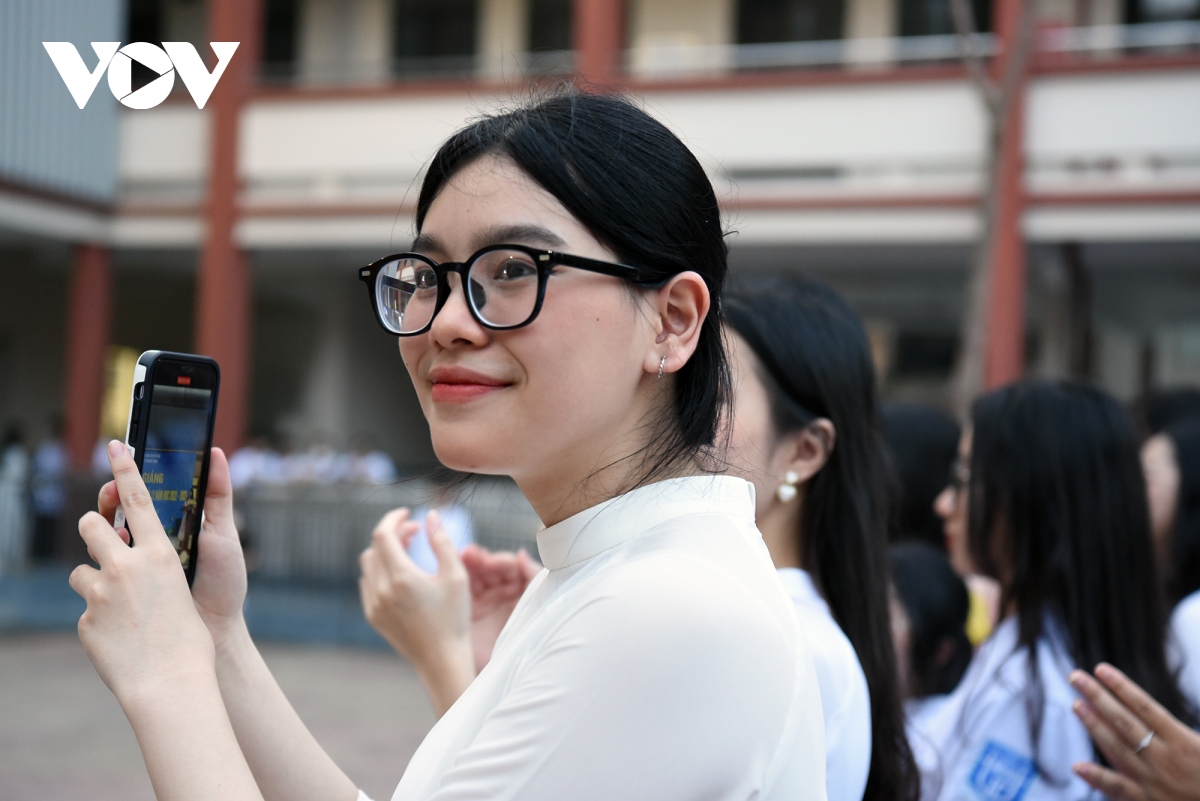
<point x="427" y="280"/>
<point x="513" y="269"/>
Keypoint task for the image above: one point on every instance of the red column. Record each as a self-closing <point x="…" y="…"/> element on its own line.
<point x="89" y="311"/>
<point x="224" y="287"/>
<point x="598" y="36"/>
<point x="1004" y="359"/>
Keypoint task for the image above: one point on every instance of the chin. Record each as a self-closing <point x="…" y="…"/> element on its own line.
<point x="468" y="451"/>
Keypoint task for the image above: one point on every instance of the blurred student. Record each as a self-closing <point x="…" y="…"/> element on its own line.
<point x="370" y="465"/>
<point x="14" y="499"/>
<point x="1171" y="461"/>
<point x="935" y="652"/>
<point x="48" y="491"/>
<point x="922" y="443"/>
<point x="1056" y="510"/>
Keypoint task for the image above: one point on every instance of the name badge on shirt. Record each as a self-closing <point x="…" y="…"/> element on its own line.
<point x="1001" y="774"/>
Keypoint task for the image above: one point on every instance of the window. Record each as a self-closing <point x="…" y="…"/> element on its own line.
<point x="550" y="36"/>
<point x="436" y="37"/>
<point x="932" y="17"/>
<point x="550" y="25"/>
<point x="279" y="39"/>
<point x="761" y="21"/>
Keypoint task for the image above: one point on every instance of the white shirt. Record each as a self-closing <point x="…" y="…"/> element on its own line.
<point x="844" y="696"/>
<point x="976" y="745"/>
<point x="1185" y="645"/>
<point x="656" y="657"/>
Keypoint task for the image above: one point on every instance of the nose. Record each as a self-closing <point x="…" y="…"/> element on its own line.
<point x="454" y="323"/>
<point x="944" y="503"/>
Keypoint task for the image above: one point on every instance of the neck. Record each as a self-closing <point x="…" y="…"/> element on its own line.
<point x="581" y="478"/>
<point x="780" y="526"/>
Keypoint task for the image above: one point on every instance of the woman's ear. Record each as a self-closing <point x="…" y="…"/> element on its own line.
<point x="808" y="450"/>
<point x="677" y="310"/>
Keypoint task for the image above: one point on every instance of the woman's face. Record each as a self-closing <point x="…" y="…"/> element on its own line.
<point x="951" y="506"/>
<point x="556" y="397"/>
<point x="1162" y="490"/>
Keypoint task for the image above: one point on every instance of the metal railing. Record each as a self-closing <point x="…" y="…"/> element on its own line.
<point x="317" y="532"/>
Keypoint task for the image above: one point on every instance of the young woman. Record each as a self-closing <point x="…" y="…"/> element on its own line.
<point x="558" y="317"/>
<point x="1056" y="512"/>
<point x="805" y="434"/>
<point x="1171" y="461"/>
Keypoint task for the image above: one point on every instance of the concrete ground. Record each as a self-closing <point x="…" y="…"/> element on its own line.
<point x="63" y="736"/>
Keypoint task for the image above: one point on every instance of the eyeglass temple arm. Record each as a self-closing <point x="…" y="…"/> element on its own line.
<point x="625" y="271"/>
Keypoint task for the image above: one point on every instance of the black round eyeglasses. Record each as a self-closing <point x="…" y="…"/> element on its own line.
<point x="505" y="285"/>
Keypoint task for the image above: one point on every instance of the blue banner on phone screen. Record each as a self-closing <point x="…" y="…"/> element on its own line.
<point x="173" y="458"/>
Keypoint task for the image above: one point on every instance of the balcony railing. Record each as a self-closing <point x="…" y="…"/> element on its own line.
<point x="667" y="61"/>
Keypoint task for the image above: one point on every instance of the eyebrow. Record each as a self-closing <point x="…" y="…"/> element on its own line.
<point x="520" y="234"/>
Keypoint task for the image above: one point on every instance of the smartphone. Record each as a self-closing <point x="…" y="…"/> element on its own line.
<point x="171" y="415"/>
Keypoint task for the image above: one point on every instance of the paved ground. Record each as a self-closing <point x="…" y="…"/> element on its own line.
<point x="63" y="737"/>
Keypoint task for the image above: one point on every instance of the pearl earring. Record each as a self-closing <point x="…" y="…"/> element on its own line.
<point x="787" y="490"/>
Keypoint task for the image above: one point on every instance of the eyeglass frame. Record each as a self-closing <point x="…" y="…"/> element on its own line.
<point x="544" y="260"/>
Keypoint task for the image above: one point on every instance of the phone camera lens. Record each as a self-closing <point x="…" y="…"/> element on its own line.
<point x="139" y="391"/>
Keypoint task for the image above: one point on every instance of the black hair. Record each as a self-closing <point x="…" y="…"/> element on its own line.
<point x="1183" y="572"/>
<point x="936" y="601"/>
<point x="639" y="191"/>
<point x="922" y="443"/>
<point x="816" y="363"/>
<point x="1058" y="514"/>
<point x="1159" y="410"/>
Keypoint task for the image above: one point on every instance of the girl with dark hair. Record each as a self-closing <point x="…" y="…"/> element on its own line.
<point x="558" y="316"/>
<point x="1056" y="512"/>
<point x="806" y="432"/>
<point x="934" y="604"/>
<point x="1171" y="461"/>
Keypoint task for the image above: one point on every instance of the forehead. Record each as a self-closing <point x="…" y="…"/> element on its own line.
<point x="493" y="196"/>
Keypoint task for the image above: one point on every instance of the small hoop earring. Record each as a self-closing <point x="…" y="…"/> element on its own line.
<point x="787" y="491"/>
<point x="661" y="364"/>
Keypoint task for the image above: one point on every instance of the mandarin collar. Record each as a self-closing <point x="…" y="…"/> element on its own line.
<point x="620" y="519"/>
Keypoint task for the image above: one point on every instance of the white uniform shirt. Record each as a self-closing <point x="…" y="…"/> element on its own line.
<point x="656" y="657"/>
<point x="976" y="745"/>
<point x="844" y="696"/>
<point x="1185" y="645"/>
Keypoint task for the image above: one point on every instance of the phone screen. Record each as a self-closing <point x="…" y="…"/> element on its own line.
<point x="174" y="455"/>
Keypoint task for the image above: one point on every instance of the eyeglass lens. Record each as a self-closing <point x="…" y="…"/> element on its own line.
<point x="502" y="287"/>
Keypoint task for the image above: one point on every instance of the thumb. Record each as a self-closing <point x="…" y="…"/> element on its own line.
<point x="439" y="541"/>
<point x="218" y="497"/>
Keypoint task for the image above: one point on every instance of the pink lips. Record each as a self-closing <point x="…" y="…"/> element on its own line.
<point x="459" y="385"/>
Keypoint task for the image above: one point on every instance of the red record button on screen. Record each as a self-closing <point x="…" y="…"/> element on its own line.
<point x="185" y="380"/>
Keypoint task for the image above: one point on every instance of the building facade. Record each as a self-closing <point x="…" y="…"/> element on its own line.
<point x="845" y="138"/>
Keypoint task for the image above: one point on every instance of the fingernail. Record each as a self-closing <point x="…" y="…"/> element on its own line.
<point x="115" y="447"/>
<point x="1075" y="679"/>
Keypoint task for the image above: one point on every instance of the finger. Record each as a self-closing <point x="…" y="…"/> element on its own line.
<point x="135" y="498"/>
<point x="100" y="538"/>
<point x="1109" y="782"/>
<point x="388" y="544"/>
<point x="442" y="545"/>
<point x="1151" y="713"/>
<point x="1108" y="741"/>
<point x="82" y="578"/>
<point x="1118" y="718"/>
<point x="108" y="501"/>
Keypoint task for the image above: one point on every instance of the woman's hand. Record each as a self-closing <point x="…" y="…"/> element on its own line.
<point x="426" y="618"/>
<point x="1120" y="716"/>
<point x="219" y="588"/>
<point x="497" y="583"/>
<point x="140" y="628"/>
